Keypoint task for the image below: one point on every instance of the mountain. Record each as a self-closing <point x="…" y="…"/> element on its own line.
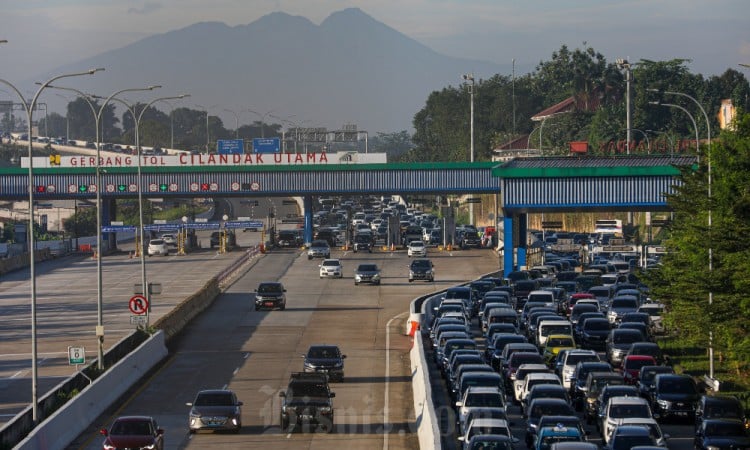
<point x="350" y="69"/>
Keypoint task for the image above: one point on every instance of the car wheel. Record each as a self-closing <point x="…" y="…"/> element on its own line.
<point x="378" y="283"/>
<point x="191" y="431"/>
<point x="369" y="250"/>
<point x="309" y="257"/>
<point x="284" y="424"/>
<point x="410" y="280"/>
<point x="257" y="308"/>
<point x="283" y="307"/>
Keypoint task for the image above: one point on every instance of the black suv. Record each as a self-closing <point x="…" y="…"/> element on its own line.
<point x="271" y="295"/>
<point x="421" y="269"/>
<point x="362" y="242"/>
<point x="307" y="402"/>
<point x="674" y="396"/>
<point x="325" y="359"/>
<point x="289" y="238"/>
<point x="719" y="407"/>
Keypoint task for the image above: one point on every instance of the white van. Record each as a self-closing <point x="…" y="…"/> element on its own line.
<point x="548" y="327"/>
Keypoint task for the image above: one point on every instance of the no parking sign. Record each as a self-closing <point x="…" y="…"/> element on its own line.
<point x="138" y="304"/>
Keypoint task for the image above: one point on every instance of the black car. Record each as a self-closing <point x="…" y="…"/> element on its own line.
<point x="721" y="434"/>
<point x="719" y="407"/>
<point x="215" y="410"/>
<point x="367" y="273"/>
<point x="647" y="376"/>
<point x="674" y="396"/>
<point x="325" y="359"/>
<point x="289" y="238"/>
<point x="594" y="332"/>
<point x="363" y="243"/>
<point x="270" y="294"/>
<point x="421" y="269"/>
<point x="578" y="380"/>
<point x="307" y="402"/>
<point x="619" y="342"/>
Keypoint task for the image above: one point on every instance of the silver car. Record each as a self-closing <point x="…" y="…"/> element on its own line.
<point x="215" y="409"/>
<point x="331" y="268"/>
<point x="319" y="249"/>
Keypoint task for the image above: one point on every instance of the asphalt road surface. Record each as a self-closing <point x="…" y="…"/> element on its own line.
<point x="233" y="346"/>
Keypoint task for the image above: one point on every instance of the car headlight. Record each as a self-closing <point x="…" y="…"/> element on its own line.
<point x="411" y="273"/>
<point x="664" y="404"/>
<point x="109" y="447"/>
<point x="309" y="365"/>
<point x="376" y="276"/>
<point x="338" y="365"/>
<point x="149" y="447"/>
<point x="195" y="415"/>
<point x="712" y="447"/>
<point x="325" y="410"/>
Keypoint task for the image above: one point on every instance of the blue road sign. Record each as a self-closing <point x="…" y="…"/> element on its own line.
<point x="162" y="227"/>
<point x="118" y="228"/>
<point x="202" y="225"/>
<point x="230" y="146"/>
<point x="243" y="224"/>
<point x="266" y="145"/>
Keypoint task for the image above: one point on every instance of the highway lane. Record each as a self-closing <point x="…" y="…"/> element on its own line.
<point x="67" y="310"/>
<point x="253" y="353"/>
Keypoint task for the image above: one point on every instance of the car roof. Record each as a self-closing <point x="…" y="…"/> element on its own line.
<point x="486" y="422"/>
<point x="483" y="390"/>
<point x="628" y="400"/>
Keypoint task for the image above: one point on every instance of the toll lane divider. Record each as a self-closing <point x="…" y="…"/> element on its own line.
<point x="74" y="417"/>
<point x="427" y="421"/>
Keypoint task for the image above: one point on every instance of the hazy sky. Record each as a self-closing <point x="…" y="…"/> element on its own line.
<point x="714" y="34"/>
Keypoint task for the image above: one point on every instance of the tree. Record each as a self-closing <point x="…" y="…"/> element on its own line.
<point x="684" y="280"/>
<point x="393" y="144"/>
<point x="54" y="123"/>
<point x="81" y="119"/>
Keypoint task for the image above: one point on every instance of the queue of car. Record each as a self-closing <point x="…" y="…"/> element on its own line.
<point x="590" y="353"/>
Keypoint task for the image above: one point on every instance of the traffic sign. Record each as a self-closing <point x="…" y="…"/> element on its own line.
<point x="266" y="145"/>
<point x="138" y="304"/>
<point x="76" y="355"/>
<point x="243" y="224"/>
<point x="230" y="146"/>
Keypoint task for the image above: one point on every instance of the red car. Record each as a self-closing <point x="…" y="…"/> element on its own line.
<point x="133" y="432"/>
<point x="631" y="367"/>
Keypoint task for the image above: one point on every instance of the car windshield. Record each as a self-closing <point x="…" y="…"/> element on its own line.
<point x="628" y="442"/>
<point x="330" y="263"/>
<point x="488" y="430"/>
<point x="627" y="338"/>
<point x="156" y="242"/>
<point x="484" y="399"/>
<point x="368" y="268"/>
<point x="724" y="429"/>
<point x="624" y="303"/>
<point x="630" y="410"/>
<point x="677" y="385"/>
<point x="574" y="358"/>
<point x="420" y="263"/>
<point x="322" y="352"/>
<point x="269" y="289"/>
<point x="131" y="427"/>
<point x="596" y="325"/>
<point x="552" y="409"/>
<point x="214" y="399"/>
<point x="560" y="342"/>
<point x="307" y="390"/>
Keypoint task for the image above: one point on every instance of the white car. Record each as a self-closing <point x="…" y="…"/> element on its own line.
<point x="157" y="247"/>
<point x="169" y="239"/>
<point x="331" y="268"/>
<point x="416" y="248"/>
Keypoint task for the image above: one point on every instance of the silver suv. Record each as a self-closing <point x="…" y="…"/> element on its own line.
<point x="319" y="249"/>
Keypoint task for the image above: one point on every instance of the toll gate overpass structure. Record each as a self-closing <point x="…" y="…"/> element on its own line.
<point x="580" y="184"/>
<point x="526" y="185"/>
<point x="292" y="176"/>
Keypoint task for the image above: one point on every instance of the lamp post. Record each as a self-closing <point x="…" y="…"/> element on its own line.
<point x="171" y="124"/>
<point x="99" y="283"/>
<point x="710" y="218"/>
<point x="144" y="285"/>
<point x="625" y="64"/>
<point x="285" y="121"/>
<point x="692" y="119"/>
<point x="29" y="107"/>
<point x="470" y="78"/>
<point x="262" y="119"/>
<point x="669" y="137"/>
<point x="208" y="138"/>
<point x="236" y="122"/>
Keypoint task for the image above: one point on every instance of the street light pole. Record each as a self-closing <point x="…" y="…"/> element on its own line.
<point x="208" y="138"/>
<point x="67" y="118"/>
<point x="624" y="64"/>
<point x="99" y="282"/>
<point x="29" y="107"/>
<point x="236" y="122"/>
<point x="470" y="78"/>
<point x="144" y="285"/>
<point x="262" y="120"/>
<point x="710" y="218"/>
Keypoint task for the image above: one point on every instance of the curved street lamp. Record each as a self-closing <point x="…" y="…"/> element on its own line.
<point x="208" y="138"/>
<point x="29" y="108"/>
<point x="236" y="122"/>
<point x="262" y="120"/>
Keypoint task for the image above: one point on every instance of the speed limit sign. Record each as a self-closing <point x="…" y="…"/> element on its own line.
<point x="76" y="355"/>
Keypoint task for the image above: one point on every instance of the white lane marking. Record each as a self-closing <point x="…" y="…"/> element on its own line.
<point x="387" y="378"/>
